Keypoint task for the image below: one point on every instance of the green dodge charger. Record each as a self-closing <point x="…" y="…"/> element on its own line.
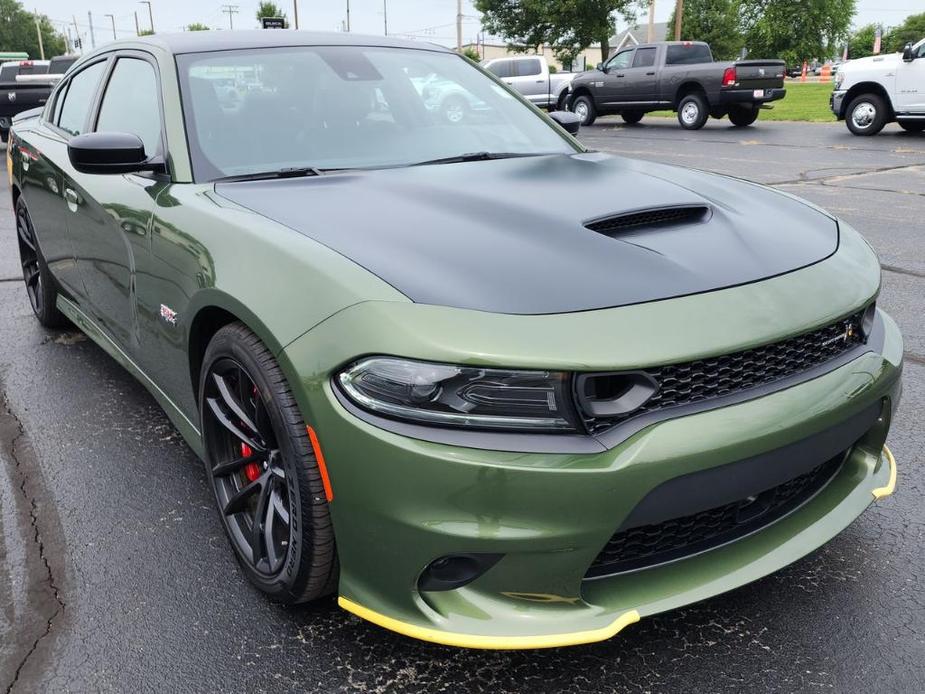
<point x="490" y="388"/>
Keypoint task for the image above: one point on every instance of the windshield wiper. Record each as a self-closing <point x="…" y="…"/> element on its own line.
<point x="288" y="172"/>
<point x="477" y="156"/>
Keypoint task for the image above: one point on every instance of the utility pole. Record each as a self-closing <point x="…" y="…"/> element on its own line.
<point x="150" y="13"/>
<point x="348" y="16"/>
<point x="678" y="13"/>
<point x="77" y="34"/>
<point x="112" y="18"/>
<point x="92" y="37"/>
<point x="651" y="34"/>
<point x="295" y="13"/>
<point x="137" y="29"/>
<point x="38" y="30"/>
<point x="459" y="18"/>
<point x="385" y="17"/>
<point x="231" y="11"/>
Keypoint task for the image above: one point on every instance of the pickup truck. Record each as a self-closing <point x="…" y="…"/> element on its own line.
<point x="27" y="84"/>
<point x="677" y="75"/>
<point x="530" y="75"/>
<point x="871" y="92"/>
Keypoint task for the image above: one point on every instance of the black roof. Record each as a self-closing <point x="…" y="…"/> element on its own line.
<point x="214" y="40"/>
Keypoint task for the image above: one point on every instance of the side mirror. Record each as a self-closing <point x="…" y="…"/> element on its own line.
<point x="111" y="153"/>
<point x="568" y="120"/>
<point x="907" y="53"/>
<point x="599" y="66"/>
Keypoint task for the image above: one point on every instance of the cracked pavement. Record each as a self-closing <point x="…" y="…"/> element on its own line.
<point x="115" y="574"/>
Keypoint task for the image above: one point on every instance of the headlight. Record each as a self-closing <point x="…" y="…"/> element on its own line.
<point x="461" y="396"/>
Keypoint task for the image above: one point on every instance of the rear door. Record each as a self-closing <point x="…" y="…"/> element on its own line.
<point x="109" y="214"/>
<point x="529" y="80"/>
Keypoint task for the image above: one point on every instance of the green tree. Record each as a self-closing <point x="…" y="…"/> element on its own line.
<point x="471" y="53"/>
<point x="197" y="26"/>
<point x="796" y="32"/>
<point x="569" y="26"/>
<point x="910" y="31"/>
<point x="146" y="32"/>
<point x="271" y="9"/>
<point x="718" y="22"/>
<point x="17" y="31"/>
<point x="861" y="42"/>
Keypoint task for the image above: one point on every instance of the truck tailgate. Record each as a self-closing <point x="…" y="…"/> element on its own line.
<point x="759" y="74"/>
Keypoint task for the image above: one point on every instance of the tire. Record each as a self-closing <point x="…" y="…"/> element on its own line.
<point x="4" y="136"/>
<point x="583" y="107"/>
<point x="292" y="558"/>
<point x="632" y="117"/>
<point x="40" y="285"/>
<point x="562" y="102"/>
<point x="693" y="111"/>
<point x="866" y="115"/>
<point x="742" y="116"/>
<point x="912" y="126"/>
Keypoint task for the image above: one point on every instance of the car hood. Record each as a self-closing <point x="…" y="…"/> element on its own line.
<point x="882" y="61"/>
<point x="509" y="235"/>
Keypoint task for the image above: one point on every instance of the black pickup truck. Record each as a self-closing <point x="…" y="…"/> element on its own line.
<point x="677" y="75"/>
<point x="18" y="95"/>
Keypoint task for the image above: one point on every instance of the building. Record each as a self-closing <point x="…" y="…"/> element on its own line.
<point x="489" y="51"/>
<point x="639" y="33"/>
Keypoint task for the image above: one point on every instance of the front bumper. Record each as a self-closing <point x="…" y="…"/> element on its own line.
<point x="747" y="96"/>
<point x="401" y="502"/>
<point x="837" y="103"/>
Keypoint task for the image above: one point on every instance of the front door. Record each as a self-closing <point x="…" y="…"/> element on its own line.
<point x="110" y="214"/>
<point x="910" y="83"/>
<point x="640" y="81"/>
<point x="614" y="85"/>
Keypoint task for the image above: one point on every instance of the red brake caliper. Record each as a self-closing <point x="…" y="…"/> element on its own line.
<point x="251" y="470"/>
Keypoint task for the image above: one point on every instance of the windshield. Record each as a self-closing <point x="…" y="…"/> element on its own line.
<point x="336" y="107"/>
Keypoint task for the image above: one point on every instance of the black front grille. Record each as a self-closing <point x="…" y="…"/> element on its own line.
<point x="662" y="216"/>
<point x="648" y="545"/>
<point x="707" y="379"/>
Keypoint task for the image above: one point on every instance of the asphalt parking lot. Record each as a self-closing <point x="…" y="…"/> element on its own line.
<point x="115" y="573"/>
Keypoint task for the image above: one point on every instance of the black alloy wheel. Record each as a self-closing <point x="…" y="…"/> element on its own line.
<point x="40" y="286"/>
<point x="262" y="468"/>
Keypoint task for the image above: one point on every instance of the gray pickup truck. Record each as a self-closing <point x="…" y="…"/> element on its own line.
<point x="27" y="84"/>
<point x="677" y="75"/>
<point x="530" y="75"/>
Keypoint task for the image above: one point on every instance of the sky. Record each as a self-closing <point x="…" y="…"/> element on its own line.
<point x="428" y="20"/>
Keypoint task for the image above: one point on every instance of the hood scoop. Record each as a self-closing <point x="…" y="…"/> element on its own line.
<point x="652" y="218"/>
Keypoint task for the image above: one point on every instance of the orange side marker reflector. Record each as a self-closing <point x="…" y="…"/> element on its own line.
<point x="322" y="468"/>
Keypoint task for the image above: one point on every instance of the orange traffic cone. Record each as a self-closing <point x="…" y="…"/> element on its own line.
<point x="826" y="73"/>
<point x="803" y="74"/>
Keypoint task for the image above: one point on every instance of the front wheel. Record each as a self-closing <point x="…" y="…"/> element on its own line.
<point x="632" y="117"/>
<point x="693" y="112"/>
<point x="742" y="116"/>
<point x="912" y="126"/>
<point x="866" y="115"/>
<point x="583" y="107"/>
<point x="261" y="464"/>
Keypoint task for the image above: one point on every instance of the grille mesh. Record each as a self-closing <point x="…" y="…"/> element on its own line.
<point x="706" y="379"/>
<point x="648" y="545"/>
<point x="648" y="218"/>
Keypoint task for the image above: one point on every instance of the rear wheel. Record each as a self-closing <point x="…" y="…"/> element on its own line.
<point x="693" y="111"/>
<point x="866" y="114"/>
<point x="583" y="107"/>
<point x="40" y="286"/>
<point x="912" y="126"/>
<point x="632" y="117"/>
<point x="262" y="468"/>
<point x="741" y="116"/>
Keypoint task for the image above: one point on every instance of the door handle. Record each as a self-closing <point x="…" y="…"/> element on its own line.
<point x="620" y="74"/>
<point x="72" y="199"/>
<point x="540" y="81"/>
<point x="650" y="73"/>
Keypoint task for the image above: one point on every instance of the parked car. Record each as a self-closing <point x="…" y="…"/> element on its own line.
<point x="871" y="92"/>
<point x="26" y="84"/>
<point x="420" y="380"/>
<point x="680" y="76"/>
<point x="530" y="75"/>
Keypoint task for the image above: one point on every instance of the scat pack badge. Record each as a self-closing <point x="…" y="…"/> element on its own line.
<point x="168" y="314"/>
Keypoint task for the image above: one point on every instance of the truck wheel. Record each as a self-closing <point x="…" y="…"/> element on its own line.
<point x="632" y="117"/>
<point x="583" y="107"/>
<point x="866" y="115"/>
<point x="562" y="103"/>
<point x="912" y="126"/>
<point x="741" y="116"/>
<point x="693" y="112"/>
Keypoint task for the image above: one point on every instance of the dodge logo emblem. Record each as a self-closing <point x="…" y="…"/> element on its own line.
<point x="11" y="96"/>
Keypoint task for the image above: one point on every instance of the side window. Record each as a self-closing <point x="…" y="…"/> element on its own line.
<point x="645" y="57"/>
<point x="529" y="67"/>
<point x="78" y="98"/>
<point x="621" y="60"/>
<point x="130" y="103"/>
<point x="502" y="68"/>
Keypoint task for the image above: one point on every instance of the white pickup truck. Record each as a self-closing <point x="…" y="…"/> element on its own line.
<point x="530" y="75"/>
<point x="871" y="92"/>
